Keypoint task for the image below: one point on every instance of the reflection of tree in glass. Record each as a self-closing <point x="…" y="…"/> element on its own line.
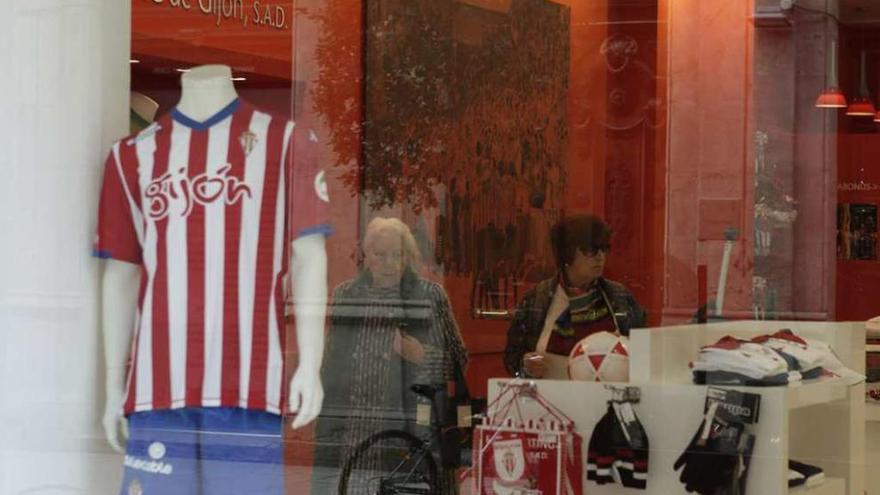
<point x="405" y="93"/>
<point x="408" y="108"/>
<point x="337" y="89"/>
<point x="451" y="91"/>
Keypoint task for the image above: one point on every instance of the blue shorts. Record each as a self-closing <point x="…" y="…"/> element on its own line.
<point x="194" y="451"/>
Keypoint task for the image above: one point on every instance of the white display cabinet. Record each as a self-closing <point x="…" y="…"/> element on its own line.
<point x="819" y="422"/>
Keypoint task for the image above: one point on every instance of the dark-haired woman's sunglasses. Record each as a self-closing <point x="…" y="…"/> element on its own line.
<point x="594" y="250"/>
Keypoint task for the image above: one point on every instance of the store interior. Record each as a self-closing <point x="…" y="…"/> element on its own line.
<point x="691" y="128"/>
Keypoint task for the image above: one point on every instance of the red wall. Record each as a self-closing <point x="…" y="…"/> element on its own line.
<point x="730" y="80"/>
<point x="710" y="69"/>
<point x="858" y="281"/>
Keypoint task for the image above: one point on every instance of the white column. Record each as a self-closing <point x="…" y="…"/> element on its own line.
<point x="64" y="82"/>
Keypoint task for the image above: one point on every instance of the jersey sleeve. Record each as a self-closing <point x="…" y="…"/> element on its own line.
<point x="309" y="204"/>
<point x="116" y="236"/>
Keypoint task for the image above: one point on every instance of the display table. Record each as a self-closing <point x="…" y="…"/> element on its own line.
<point x="819" y="422"/>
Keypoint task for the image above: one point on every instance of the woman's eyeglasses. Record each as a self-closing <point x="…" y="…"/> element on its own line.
<point x="595" y="250"/>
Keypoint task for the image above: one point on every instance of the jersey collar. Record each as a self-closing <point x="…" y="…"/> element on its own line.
<point x="206" y="124"/>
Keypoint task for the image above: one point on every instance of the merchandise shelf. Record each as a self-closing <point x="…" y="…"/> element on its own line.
<point x="791" y="416"/>
<point x="820" y="422"/>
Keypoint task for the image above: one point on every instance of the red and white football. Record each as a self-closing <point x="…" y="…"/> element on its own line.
<point x="600" y="357"/>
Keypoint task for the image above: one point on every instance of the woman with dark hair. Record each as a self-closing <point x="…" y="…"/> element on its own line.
<point x="577" y="302"/>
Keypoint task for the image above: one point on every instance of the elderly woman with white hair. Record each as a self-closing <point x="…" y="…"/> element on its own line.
<point x="389" y="329"/>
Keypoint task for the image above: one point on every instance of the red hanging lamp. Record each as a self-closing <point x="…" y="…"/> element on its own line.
<point x="877" y="113"/>
<point x="861" y="105"/>
<point x="832" y="96"/>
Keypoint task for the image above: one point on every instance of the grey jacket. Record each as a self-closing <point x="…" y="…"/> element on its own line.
<point x="366" y="384"/>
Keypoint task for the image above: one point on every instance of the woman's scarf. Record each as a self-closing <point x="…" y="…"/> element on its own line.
<point x="586" y="306"/>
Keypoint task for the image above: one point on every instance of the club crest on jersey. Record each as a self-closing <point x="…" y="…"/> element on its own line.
<point x="248" y="142"/>
<point x="177" y="191"/>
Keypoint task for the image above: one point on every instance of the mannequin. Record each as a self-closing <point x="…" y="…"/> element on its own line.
<point x="205" y="91"/>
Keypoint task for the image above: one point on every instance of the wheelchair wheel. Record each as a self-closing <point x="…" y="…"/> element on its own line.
<point x="389" y="462"/>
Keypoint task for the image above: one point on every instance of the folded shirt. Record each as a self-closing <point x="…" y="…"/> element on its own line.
<point x="728" y="378"/>
<point x="778" y="359"/>
<point x="807" y="359"/>
<point x="833" y="364"/>
<point x="741" y="357"/>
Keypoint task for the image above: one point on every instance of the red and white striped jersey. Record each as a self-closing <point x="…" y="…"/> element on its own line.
<point x="207" y="209"/>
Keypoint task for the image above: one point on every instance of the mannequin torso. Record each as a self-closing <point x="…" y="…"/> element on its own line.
<point x="206" y="91"/>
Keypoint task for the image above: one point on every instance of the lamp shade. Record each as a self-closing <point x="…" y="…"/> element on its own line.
<point x="831" y="98"/>
<point x="861" y="105"/>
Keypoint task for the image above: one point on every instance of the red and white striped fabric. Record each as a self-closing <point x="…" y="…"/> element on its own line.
<point x="206" y="210"/>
